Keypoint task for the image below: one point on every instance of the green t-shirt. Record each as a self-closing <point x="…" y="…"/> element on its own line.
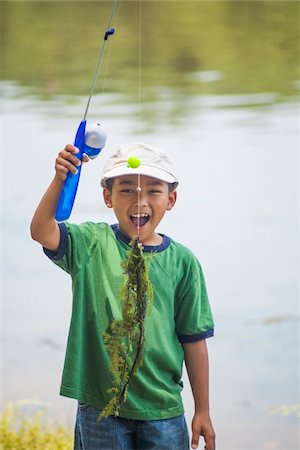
<point x="92" y="253"/>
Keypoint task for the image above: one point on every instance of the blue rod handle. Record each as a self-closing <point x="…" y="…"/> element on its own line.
<point x="68" y="193"/>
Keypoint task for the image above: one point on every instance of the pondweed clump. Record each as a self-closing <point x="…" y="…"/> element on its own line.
<point x="19" y="432"/>
<point x="126" y="337"/>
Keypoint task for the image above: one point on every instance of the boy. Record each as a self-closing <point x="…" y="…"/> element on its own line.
<point x="152" y="417"/>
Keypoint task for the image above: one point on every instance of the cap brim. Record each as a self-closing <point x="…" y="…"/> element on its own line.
<point x="141" y="170"/>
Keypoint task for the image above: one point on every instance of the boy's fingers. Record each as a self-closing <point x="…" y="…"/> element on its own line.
<point x="195" y="438"/>
<point x="210" y="445"/>
<point x="66" y="161"/>
<point x="85" y="158"/>
<point x="71" y="148"/>
<point x="62" y="164"/>
<point x="210" y="441"/>
<point x="67" y="156"/>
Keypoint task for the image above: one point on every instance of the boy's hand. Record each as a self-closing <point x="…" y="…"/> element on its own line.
<point x="202" y="426"/>
<point x="67" y="161"/>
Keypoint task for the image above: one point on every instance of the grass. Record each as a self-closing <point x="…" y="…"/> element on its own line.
<point x="20" y="432"/>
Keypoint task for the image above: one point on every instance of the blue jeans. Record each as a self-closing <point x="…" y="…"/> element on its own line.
<point x="116" y="433"/>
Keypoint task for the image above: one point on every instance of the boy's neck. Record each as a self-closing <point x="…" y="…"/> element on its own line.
<point x="160" y="243"/>
<point x="154" y="241"/>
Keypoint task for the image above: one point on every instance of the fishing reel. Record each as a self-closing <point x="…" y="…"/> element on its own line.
<point x="95" y="139"/>
<point x="89" y="140"/>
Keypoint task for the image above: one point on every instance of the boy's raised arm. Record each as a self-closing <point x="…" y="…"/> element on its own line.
<point x="44" y="228"/>
<point x="196" y="360"/>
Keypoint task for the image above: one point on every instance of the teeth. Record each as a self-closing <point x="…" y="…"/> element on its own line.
<point x="139" y="215"/>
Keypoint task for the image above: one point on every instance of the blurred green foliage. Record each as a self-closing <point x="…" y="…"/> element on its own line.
<point x="23" y="432"/>
<point x="197" y="47"/>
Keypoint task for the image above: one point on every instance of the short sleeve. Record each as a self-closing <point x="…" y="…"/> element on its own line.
<point x="194" y="319"/>
<point x="63" y="242"/>
<point x="74" y="246"/>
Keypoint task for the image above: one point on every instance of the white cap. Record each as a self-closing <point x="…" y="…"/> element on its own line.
<point x="152" y="162"/>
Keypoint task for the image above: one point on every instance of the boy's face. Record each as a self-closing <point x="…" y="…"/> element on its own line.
<point x="155" y="200"/>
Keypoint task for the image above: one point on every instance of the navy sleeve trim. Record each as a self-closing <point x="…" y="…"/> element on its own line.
<point x="63" y="242"/>
<point x="187" y="338"/>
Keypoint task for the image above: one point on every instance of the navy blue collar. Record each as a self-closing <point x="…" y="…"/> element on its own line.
<point x="146" y="248"/>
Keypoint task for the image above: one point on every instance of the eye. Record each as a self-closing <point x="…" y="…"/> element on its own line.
<point x="127" y="191"/>
<point x="155" y="191"/>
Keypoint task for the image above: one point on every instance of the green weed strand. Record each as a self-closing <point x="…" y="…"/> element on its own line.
<point x="125" y="339"/>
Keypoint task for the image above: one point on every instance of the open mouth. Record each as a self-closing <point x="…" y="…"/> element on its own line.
<point x="139" y="220"/>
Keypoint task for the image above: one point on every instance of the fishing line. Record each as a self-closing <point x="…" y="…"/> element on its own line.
<point x="109" y="51"/>
<point x="138" y="202"/>
<point x="109" y="32"/>
<point x="140" y="62"/>
<point x="125" y="339"/>
<point x="106" y="68"/>
<point x="139" y="109"/>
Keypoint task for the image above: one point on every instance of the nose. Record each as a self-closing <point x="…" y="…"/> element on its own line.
<point x="141" y="198"/>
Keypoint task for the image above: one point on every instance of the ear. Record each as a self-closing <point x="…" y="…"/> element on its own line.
<point x="107" y="198"/>
<point x="171" y="200"/>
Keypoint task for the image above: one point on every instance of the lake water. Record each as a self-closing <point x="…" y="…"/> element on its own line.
<point x="236" y="209"/>
<point x="236" y="150"/>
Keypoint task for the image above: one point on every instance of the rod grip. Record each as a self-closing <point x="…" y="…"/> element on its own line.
<point x="69" y="189"/>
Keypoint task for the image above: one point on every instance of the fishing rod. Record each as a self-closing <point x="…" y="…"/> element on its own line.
<point x="89" y="139"/>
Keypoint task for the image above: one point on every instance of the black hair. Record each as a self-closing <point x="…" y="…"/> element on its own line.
<point x="109" y="184"/>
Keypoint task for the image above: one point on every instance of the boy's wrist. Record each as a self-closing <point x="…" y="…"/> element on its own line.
<point x="202" y="412"/>
<point x="57" y="180"/>
<point x="201" y="409"/>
